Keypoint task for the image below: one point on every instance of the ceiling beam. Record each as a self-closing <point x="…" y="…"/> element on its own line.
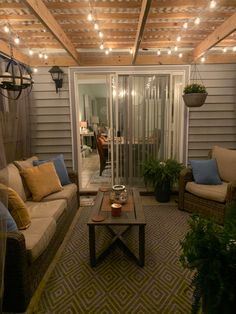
<point x="145" y="7"/>
<point x="221" y="32"/>
<point x="45" y="16"/>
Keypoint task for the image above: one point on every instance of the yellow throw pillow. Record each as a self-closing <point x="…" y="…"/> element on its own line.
<point x="42" y="180"/>
<point x="17" y="208"/>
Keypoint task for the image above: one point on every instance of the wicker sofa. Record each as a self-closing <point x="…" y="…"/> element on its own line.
<point x="210" y="200"/>
<point x="29" y="252"/>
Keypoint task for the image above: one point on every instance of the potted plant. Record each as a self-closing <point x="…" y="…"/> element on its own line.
<point x="161" y="175"/>
<point x="194" y="95"/>
<point x="210" y="251"/>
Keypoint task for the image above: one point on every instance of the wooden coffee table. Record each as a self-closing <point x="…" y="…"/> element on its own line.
<point x="131" y="215"/>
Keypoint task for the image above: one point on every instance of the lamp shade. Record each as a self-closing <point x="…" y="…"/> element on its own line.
<point x="83" y="124"/>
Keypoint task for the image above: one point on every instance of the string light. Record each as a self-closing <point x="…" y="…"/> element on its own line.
<point x="110" y="49"/>
<point x="45" y="57"/>
<point x="131" y="51"/>
<point x="212" y="4"/>
<point x="224" y="49"/>
<point x="96" y="26"/>
<point x="185" y="26"/>
<point x="35" y="70"/>
<point x="31" y="52"/>
<point x="101" y="46"/>
<point x="17" y="40"/>
<point x="178" y="38"/>
<point x="106" y="51"/>
<point x="6" y="29"/>
<point x="203" y="59"/>
<point x="197" y="21"/>
<point x="169" y="52"/>
<point x="90" y="17"/>
<point x="40" y="55"/>
<point x="100" y="34"/>
<point x="180" y="55"/>
<point x="234" y="48"/>
<point x="158" y="52"/>
<point x="176" y="48"/>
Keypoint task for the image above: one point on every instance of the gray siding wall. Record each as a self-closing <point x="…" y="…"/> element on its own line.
<point x="215" y="122"/>
<point x="50" y="118"/>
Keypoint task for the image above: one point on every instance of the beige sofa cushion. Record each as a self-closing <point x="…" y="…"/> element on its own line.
<point x="21" y="165"/>
<point x="52" y="209"/>
<point x="10" y="176"/>
<point x="38" y="236"/>
<point x="226" y="162"/>
<point x="67" y="193"/>
<point x="210" y="192"/>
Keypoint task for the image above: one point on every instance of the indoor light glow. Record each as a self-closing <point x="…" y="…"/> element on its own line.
<point x="197" y="21"/>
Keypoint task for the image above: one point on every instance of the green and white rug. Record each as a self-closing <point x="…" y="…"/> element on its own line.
<point x="117" y="284"/>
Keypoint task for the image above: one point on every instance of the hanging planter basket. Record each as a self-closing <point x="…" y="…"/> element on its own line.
<point x="194" y="99"/>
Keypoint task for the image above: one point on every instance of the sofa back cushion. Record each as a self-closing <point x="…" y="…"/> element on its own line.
<point x="21" y="165"/>
<point x="10" y="176"/>
<point x="226" y="162"/>
<point x="42" y="180"/>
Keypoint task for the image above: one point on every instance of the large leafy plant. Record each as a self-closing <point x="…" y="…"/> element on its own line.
<point x="210" y="251"/>
<point x="194" y="88"/>
<point x="157" y="172"/>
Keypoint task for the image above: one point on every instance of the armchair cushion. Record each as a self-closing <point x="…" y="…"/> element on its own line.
<point x="205" y="172"/>
<point x="210" y="192"/>
<point x="226" y="161"/>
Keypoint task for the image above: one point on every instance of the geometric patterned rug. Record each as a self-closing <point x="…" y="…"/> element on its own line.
<point x="118" y="284"/>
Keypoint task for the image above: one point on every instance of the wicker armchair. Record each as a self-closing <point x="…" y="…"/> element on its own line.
<point x="212" y="209"/>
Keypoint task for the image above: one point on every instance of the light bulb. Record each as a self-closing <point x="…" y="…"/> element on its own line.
<point x="185" y="25"/>
<point x="197" y="21"/>
<point x="6" y="29"/>
<point x="96" y="26"/>
<point x="101" y="46"/>
<point x="90" y="17"/>
<point x="176" y="48"/>
<point x="180" y="55"/>
<point x="100" y="34"/>
<point x="107" y="52"/>
<point x="203" y="59"/>
<point x="40" y="55"/>
<point x="35" y="70"/>
<point x="131" y="51"/>
<point x="31" y="52"/>
<point x="178" y="38"/>
<point x="110" y="49"/>
<point x="17" y="40"/>
<point x="212" y="4"/>
<point x="234" y="48"/>
<point x="169" y="52"/>
<point x="158" y="52"/>
<point x="224" y="49"/>
<point x="45" y="57"/>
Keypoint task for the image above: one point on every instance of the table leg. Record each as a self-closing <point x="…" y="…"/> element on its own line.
<point x="92" y="245"/>
<point x="141" y="245"/>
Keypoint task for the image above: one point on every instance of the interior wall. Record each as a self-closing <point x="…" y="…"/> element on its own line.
<point x="50" y="117"/>
<point x="215" y="122"/>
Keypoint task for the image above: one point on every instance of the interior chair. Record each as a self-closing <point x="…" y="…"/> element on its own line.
<point x="211" y="200"/>
<point x="102" y="148"/>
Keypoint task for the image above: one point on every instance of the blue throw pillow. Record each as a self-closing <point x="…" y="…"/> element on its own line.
<point x="10" y="222"/>
<point x="59" y="166"/>
<point x="205" y="172"/>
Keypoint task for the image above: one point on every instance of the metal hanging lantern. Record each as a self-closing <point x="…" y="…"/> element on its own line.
<point x="15" y="78"/>
<point x="57" y="76"/>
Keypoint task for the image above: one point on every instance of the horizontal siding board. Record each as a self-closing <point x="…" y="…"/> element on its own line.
<point x="48" y="127"/>
<point x="51" y="134"/>
<point x="212" y="115"/>
<point x="219" y="83"/>
<point x="52" y="149"/>
<point x="216" y="107"/>
<point x="213" y="74"/>
<point x="51" y="141"/>
<point x="221" y="91"/>
<point x="213" y="122"/>
<point x="221" y="99"/>
<point x="211" y="137"/>
<point x="50" y="86"/>
<point x="51" y="95"/>
<point x="50" y="111"/>
<point x="213" y="130"/>
<point x="52" y="118"/>
<point x="209" y="144"/>
<point x="50" y="102"/>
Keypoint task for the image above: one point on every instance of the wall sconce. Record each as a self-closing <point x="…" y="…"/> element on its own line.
<point x="57" y="76"/>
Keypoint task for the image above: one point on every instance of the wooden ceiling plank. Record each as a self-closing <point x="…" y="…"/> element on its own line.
<point x="145" y="7"/>
<point x="221" y="32"/>
<point x="5" y="49"/>
<point x="44" y="15"/>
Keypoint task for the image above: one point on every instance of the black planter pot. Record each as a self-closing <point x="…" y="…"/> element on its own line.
<point x="163" y="192"/>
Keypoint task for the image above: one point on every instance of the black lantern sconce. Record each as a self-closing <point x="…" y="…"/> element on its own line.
<point x="57" y="76"/>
